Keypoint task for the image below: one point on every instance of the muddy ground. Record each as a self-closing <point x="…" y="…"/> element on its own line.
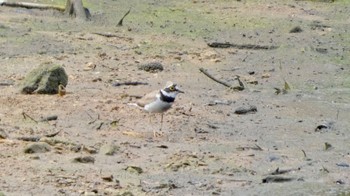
<point x="205" y="147"/>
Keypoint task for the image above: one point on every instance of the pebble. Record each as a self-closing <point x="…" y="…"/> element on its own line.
<point x="38" y="147"/>
<point x="109" y="149"/>
<point x="85" y="159"/>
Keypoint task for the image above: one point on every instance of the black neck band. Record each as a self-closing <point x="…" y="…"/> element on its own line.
<point x="166" y="98"/>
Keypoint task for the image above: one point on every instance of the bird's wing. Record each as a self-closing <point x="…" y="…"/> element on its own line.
<point x="148" y="98"/>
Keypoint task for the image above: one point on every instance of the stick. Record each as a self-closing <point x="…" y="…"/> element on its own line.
<point x="52" y="134"/>
<point x="211" y="77"/>
<point x="32" y="5"/>
<point x="304" y="153"/>
<point x="111" y="35"/>
<point x="25" y="116"/>
<point x="120" y="23"/>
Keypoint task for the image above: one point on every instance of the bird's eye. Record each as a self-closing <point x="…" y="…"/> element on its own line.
<point x="172" y="88"/>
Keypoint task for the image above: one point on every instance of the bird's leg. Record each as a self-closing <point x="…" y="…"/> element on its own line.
<point x="161" y="122"/>
<point x="161" y="127"/>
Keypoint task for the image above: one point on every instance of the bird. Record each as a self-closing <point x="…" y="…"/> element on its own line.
<point x="159" y="101"/>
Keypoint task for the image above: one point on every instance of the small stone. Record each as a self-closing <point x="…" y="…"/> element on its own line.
<point x="265" y="75"/>
<point x="152" y="67"/>
<point x="322" y="50"/>
<point x="38" y="147"/>
<point x="90" y="149"/>
<point x="134" y="169"/>
<point x="296" y="29"/>
<point x="107" y="178"/>
<point x="272" y="158"/>
<point x="109" y="149"/>
<point x="250" y="79"/>
<point x="3" y="134"/>
<point x="89" y="66"/>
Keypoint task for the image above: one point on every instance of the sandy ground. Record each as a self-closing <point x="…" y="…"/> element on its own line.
<point x="205" y="147"/>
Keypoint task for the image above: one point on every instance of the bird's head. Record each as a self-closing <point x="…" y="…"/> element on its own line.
<point x="171" y="89"/>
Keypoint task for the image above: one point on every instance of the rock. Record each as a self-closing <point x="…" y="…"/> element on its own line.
<point x="109" y="149"/>
<point x="38" y="147"/>
<point x="134" y="169"/>
<point x="86" y="159"/>
<point x="45" y="79"/>
<point x="296" y="29"/>
<point x="326" y="126"/>
<point x="246" y="109"/>
<point x="151" y="67"/>
<point x="3" y="134"/>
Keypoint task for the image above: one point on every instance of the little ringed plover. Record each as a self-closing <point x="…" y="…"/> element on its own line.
<point x="159" y="101"/>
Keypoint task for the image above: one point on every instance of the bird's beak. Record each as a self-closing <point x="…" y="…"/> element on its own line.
<point x="180" y="91"/>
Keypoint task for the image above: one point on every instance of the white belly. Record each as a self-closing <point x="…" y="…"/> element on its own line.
<point x="157" y="106"/>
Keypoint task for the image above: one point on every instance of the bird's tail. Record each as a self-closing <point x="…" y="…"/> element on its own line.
<point x="135" y="105"/>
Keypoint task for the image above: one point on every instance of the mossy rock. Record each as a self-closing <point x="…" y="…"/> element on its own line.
<point x="44" y="79"/>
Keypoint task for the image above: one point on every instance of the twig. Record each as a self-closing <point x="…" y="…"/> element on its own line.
<point x="99" y="126"/>
<point x="241" y="85"/>
<point x="52" y="134"/>
<point x="129" y="83"/>
<point x="6" y="83"/>
<point x="279" y="171"/>
<point x="110" y="68"/>
<point x="93" y="120"/>
<point x="238" y="46"/>
<point x="337" y="114"/>
<point x="111" y="35"/>
<point x="211" y="77"/>
<point x="36" y="138"/>
<point x="304" y="153"/>
<point x="25" y="116"/>
<point x="29" y="139"/>
<point x="120" y="23"/>
<point x="256" y="147"/>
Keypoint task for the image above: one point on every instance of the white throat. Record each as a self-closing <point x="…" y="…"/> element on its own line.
<point x="169" y="94"/>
